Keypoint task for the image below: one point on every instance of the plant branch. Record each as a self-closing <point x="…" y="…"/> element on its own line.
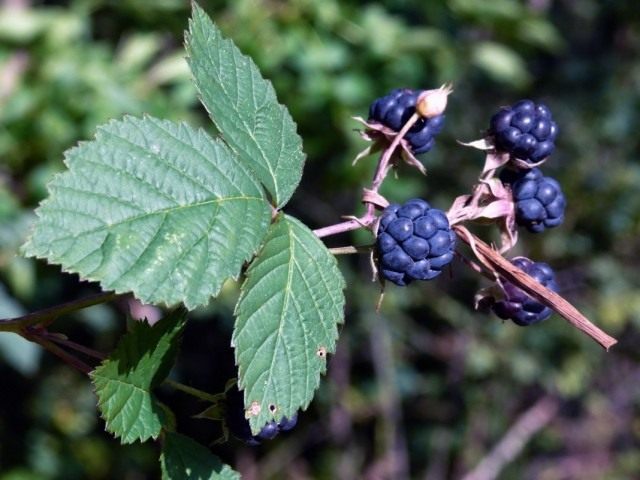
<point x="194" y="392"/>
<point x="514" y="440"/>
<point x="354" y="224"/>
<point x="64" y="341"/>
<point x="382" y="169"/>
<point x="350" y="249"/>
<point x="491" y="258"/>
<point x="49" y="342"/>
<point x="47" y="316"/>
<point x="59" y="352"/>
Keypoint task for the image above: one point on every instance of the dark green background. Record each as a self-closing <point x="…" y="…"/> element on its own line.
<point x="425" y="388"/>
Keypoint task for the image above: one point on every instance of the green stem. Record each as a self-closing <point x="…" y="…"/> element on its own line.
<point x="192" y="391"/>
<point x="47" y="316"/>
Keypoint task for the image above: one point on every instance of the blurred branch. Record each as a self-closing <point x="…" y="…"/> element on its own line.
<point x="394" y="462"/>
<point x="16" y="4"/>
<point x="11" y="72"/>
<point x="510" y="446"/>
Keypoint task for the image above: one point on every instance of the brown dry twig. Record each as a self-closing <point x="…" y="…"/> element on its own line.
<point x="511" y="273"/>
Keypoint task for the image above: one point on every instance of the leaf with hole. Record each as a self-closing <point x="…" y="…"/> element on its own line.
<point x="287" y="321"/>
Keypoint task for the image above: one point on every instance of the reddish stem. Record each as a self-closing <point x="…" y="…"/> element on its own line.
<point x="60" y="353"/>
<point x="362" y="222"/>
<point x="382" y="169"/>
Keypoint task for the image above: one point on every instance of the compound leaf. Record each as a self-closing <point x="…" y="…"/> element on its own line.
<point x="154" y="208"/>
<point x="124" y="381"/>
<point x="287" y="316"/>
<point x="184" y="459"/>
<point x="244" y="107"/>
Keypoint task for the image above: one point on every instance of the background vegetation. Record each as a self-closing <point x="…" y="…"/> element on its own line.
<point x="428" y="387"/>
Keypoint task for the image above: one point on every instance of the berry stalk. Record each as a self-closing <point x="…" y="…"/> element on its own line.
<point x="382" y="169"/>
<point x="492" y="259"/>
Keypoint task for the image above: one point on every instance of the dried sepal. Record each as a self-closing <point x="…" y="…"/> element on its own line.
<point x="483" y="144"/>
<point x="524" y="165"/>
<point x="487" y="296"/>
<point x="490" y="202"/>
<point x="382" y="138"/>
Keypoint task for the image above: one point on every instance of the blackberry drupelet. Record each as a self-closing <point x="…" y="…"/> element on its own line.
<point x="414" y="242"/>
<point x="539" y="200"/>
<point x="525" y="130"/>
<point x="517" y="305"/>
<point x="395" y="109"/>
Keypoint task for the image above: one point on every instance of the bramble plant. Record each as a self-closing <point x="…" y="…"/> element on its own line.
<point x="168" y="213"/>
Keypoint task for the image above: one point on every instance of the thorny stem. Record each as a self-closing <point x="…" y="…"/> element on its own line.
<point x="382" y="169"/>
<point x="492" y="259"/>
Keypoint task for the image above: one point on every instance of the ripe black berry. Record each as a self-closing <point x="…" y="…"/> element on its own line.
<point x="239" y="426"/>
<point x="517" y="305"/>
<point x="539" y="200"/>
<point x="525" y="130"/>
<point x="414" y="242"/>
<point x="393" y="111"/>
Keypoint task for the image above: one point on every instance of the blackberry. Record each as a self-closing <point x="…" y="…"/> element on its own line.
<point x="414" y="242"/>
<point x="517" y="305"/>
<point x="539" y="200"/>
<point x="395" y="109"/>
<point x="525" y="130"/>
<point x="239" y="426"/>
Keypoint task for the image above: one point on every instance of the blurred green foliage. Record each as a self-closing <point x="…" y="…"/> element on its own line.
<point x="426" y="386"/>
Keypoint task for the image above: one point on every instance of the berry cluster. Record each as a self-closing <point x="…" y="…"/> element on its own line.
<point x="414" y="242"/>
<point x="393" y="111"/>
<point x="517" y="305"/>
<point x="525" y="130"/>
<point x="239" y="425"/>
<point x="539" y="200"/>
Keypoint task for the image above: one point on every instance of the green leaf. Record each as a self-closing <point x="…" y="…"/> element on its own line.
<point x="155" y="208"/>
<point x="287" y="318"/>
<point x="183" y="459"/>
<point x="124" y="381"/>
<point x="244" y="107"/>
<point x="500" y="62"/>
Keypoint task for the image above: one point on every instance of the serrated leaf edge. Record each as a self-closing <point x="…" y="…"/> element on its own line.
<point x="89" y="278"/>
<point x="334" y="340"/>
<point x="196" y="9"/>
